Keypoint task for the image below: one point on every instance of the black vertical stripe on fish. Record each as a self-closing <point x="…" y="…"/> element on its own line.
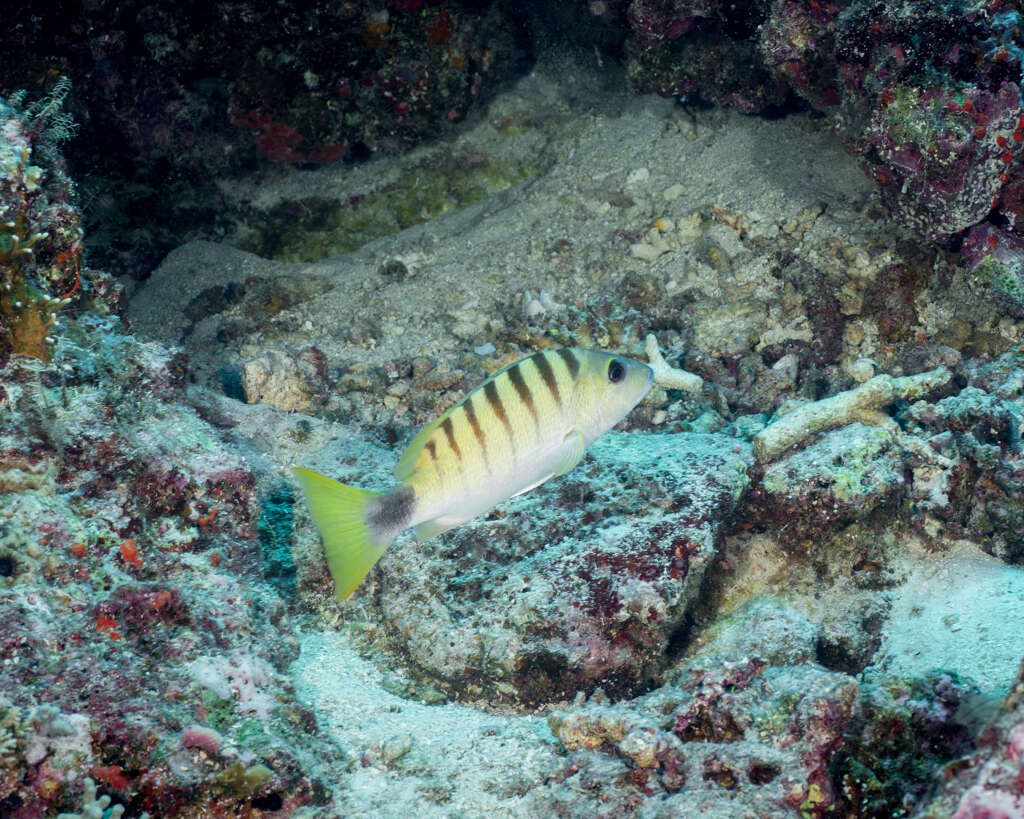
<point x="515" y="375"/>
<point x="544" y="368"/>
<point x="467" y="407"/>
<point x="491" y="391"/>
<point x="569" y="357"/>
<point x="449" y="434"/>
<point x="431" y="447"/>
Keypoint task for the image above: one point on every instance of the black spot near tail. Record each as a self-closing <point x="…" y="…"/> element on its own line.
<point x="391" y="514"/>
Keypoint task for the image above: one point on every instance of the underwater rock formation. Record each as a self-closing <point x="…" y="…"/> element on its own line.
<point x="729" y="732"/>
<point x="532" y="605"/>
<point x="133" y="606"/>
<point x="207" y="89"/>
<point x="995" y="262"/>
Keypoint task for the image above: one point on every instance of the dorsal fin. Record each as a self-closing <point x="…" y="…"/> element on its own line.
<point x="407" y="463"/>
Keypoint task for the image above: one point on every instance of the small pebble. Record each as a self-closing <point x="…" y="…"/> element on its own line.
<point x="672" y="192"/>
<point x="637" y="176"/>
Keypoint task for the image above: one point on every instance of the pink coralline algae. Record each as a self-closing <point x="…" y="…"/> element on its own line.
<point x="732" y="735"/>
<point x="942" y="156"/>
<point x="989" y="782"/>
<point x="121" y="583"/>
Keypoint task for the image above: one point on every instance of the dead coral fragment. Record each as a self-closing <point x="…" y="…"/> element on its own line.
<point x="671" y="378"/>
<point x="96" y="808"/>
<point x="843" y="408"/>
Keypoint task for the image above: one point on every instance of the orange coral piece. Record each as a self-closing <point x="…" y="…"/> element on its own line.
<point x="111" y="775"/>
<point x="130" y="554"/>
<point x="107" y="625"/>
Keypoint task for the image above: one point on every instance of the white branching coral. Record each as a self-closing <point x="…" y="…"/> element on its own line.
<point x="96" y="807"/>
<point x="671" y="378"/>
<point x="10" y="719"/>
<point x="859" y="404"/>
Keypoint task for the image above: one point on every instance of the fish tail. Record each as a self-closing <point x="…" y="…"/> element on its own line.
<point x="340" y="513"/>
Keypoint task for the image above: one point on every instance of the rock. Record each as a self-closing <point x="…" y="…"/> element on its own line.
<point x="579" y="584"/>
<point x="990" y="781"/>
<point x="750" y="738"/>
<point x="287" y="382"/>
<point x="995" y="261"/>
<point x="844" y="476"/>
<point x="980" y="494"/>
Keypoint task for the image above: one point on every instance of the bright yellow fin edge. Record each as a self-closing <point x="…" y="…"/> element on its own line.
<point x="338" y="512"/>
<point x="407" y="463"/>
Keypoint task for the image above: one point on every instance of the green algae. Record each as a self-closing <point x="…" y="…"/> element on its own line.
<point x="905" y="731"/>
<point x="242" y="782"/>
<point x="221" y="715"/>
<point x="912" y="121"/>
<point x="1001" y="284"/>
<point x="318" y="227"/>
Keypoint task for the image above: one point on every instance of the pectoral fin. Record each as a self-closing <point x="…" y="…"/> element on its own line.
<point x="573" y="447"/>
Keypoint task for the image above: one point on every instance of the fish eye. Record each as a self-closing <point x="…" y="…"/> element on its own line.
<point x="616" y="371"/>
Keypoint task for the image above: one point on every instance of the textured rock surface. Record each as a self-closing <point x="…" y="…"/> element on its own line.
<point x="728" y="734"/>
<point x="844" y="476"/>
<point x="989" y="782"/>
<point x="580" y="584"/>
<point x="135" y="625"/>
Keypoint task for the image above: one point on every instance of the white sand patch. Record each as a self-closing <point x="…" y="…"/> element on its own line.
<point x="961" y="611"/>
<point x="414" y="759"/>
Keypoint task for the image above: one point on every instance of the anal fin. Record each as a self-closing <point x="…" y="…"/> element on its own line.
<point x="430" y="528"/>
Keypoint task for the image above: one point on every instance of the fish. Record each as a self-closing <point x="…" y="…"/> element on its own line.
<point x="527" y="423"/>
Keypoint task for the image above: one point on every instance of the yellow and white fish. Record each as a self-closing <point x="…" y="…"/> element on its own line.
<point x="525" y="424"/>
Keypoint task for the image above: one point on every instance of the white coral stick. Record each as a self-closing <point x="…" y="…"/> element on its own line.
<point x="843" y="408"/>
<point x="671" y="378"/>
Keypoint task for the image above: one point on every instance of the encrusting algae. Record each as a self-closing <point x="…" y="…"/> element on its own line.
<point x="529" y="422"/>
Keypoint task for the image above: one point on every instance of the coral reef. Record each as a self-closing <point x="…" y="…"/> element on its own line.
<point x="996" y="266"/>
<point x="94" y="807"/>
<point x="790" y="582"/>
<point x="132" y="601"/>
<point x="705" y="49"/>
<point x="208" y="89"/>
<point x="977" y="493"/>
<point x="40" y="236"/>
<point x="732" y="731"/>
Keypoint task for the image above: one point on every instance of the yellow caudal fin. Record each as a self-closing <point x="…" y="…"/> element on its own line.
<point x="338" y="511"/>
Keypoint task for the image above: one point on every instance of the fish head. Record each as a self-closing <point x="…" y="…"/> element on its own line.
<point x="609" y="387"/>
